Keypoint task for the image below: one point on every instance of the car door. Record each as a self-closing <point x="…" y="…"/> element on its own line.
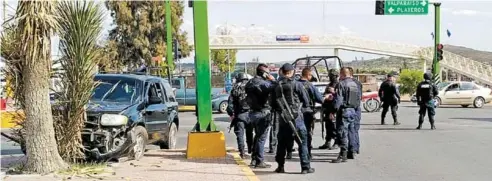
<point x="451" y="94"/>
<point x="156" y="115"/>
<point x="467" y="92"/>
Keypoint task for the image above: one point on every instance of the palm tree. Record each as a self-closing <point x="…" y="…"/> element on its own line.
<point x="36" y="24"/>
<point x="80" y="26"/>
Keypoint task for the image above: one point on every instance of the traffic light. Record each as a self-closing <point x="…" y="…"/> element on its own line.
<point x="176" y="50"/>
<point x="440" y="53"/>
<point x="379" y="7"/>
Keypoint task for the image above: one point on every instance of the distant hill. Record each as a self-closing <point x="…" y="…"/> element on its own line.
<point x="395" y="63"/>
<point x="477" y="55"/>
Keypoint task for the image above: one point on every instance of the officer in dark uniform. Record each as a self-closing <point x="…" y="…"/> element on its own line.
<point x="354" y="142"/>
<point x="426" y="92"/>
<point x="314" y="97"/>
<point x="238" y="110"/>
<point x="390" y="96"/>
<point x="275" y="118"/>
<point x="329" y="111"/>
<point x="258" y="90"/>
<point x="346" y="100"/>
<point x="292" y="95"/>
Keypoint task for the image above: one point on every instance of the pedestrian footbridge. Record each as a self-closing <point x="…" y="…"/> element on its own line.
<point x="476" y="70"/>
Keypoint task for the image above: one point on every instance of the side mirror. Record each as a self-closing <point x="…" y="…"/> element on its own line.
<point x="154" y="100"/>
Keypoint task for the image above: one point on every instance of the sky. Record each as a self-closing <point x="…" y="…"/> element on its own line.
<point x="470" y="24"/>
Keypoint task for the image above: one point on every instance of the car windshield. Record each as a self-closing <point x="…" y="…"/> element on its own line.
<point x="117" y="90"/>
<point x="441" y="85"/>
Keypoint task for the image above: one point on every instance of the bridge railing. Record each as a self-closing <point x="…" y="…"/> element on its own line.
<point x="223" y="41"/>
<point x="462" y="65"/>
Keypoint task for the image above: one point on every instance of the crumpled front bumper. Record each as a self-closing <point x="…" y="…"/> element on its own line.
<point x="95" y="154"/>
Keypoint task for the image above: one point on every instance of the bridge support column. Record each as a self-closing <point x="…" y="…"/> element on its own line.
<point x="335" y="53"/>
<point x="205" y="141"/>
<point x="458" y="77"/>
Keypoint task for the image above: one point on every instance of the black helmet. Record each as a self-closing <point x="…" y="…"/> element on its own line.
<point x="333" y="72"/>
<point x="427" y="76"/>
<point x="241" y="76"/>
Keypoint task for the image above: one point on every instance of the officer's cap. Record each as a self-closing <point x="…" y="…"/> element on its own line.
<point x="287" y="67"/>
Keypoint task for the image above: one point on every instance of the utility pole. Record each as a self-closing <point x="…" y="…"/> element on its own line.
<point x="169" y="40"/>
<point x="437" y="34"/>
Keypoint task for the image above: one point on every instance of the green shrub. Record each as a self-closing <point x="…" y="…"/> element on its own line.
<point x="409" y="79"/>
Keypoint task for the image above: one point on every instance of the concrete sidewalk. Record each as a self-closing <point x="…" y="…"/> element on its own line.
<point x="158" y="165"/>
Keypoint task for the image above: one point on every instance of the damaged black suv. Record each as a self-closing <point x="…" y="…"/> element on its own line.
<point x="127" y="112"/>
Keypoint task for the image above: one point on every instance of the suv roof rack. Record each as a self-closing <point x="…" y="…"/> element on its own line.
<point x="140" y="71"/>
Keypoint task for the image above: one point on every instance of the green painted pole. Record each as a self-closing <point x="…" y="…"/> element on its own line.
<point x="436" y="70"/>
<point x="202" y="68"/>
<point x="169" y="39"/>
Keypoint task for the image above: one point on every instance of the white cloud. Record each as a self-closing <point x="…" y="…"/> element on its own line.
<point x="345" y="31"/>
<point x="466" y="12"/>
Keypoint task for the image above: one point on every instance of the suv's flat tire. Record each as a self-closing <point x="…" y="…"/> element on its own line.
<point x="141" y="139"/>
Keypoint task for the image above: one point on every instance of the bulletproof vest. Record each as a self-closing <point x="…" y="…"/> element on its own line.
<point x="291" y="97"/>
<point x="328" y="104"/>
<point x="306" y="86"/>
<point x="256" y="98"/>
<point x="425" y="89"/>
<point x="239" y="95"/>
<point x="351" y="93"/>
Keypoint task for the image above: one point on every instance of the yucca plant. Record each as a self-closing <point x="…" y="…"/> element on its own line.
<point x="35" y="24"/>
<point x="80" y="27"/>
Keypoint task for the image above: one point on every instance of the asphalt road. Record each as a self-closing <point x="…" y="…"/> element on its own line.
<point x="457" y="150"/>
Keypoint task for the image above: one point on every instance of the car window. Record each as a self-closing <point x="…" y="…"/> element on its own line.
<point x="116" y="90"/>
<point x="453" y="87"/>
<point x="467" y="86"/>
<point x="169" y="92"/>
<point x="160" y="91"/>
<point x="176" y="84"/>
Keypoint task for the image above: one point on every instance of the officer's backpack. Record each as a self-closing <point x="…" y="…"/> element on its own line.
<point x="239" y="93"/>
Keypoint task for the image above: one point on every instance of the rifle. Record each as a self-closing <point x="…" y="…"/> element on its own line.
<point x="287" y="115"/>
<point x="233" y="122"/>
<point x="322" y="115"/>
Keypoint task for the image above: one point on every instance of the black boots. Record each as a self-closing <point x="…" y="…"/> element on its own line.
<point x="341" y="158"/>
<point x="350" y="155"/>
<point x="307" y="170"/>
<point x="433" y="127"/>
<point x="280" y="169"/>
<point x="382" y="121"/>
<point x="289" y="155"/>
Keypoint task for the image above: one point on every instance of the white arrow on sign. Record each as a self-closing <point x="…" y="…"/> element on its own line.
<point x="390" y="10"/>
<point x="423" y="3"/>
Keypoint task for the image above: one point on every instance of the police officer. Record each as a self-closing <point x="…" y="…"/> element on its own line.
<point x="329" y="111"/>
<point x="258" y="91"/>
<point x="426" y="92"/>
<point x="314" y="97"/>
<point x="238" y="110"/>
<point x="390" y="96"/>
<point x="354" y="142"/>
<point x="346" y="100"/>
<point x="292" y="95"/>
<point x="274" y="126"/>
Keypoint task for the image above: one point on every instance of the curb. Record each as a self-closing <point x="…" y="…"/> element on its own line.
<point x="244" y="167"/>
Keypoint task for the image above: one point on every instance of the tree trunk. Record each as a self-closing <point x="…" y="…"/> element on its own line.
<point x="42" y="150"/>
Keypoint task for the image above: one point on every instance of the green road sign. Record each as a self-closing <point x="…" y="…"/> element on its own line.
<point x="406" y="7"/>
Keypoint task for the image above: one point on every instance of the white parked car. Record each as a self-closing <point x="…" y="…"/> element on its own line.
<point x="462" y="93"/>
